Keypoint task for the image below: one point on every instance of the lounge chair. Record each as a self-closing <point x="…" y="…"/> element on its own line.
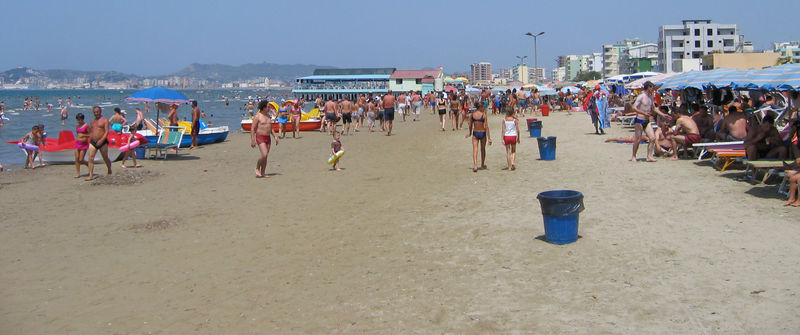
<point x="771" y="166"/>
<point x="727" y="157"/>
<point x="168" y="138"/>
<point x="705" y="148"/>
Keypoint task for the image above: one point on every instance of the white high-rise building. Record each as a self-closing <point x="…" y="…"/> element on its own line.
<point x="694" y="38"/>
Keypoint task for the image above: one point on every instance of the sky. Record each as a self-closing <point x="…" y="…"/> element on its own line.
<point x="146" y="37"/>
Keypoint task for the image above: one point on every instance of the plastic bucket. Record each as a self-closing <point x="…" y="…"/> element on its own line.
<point x="560" y="211"/>
<point x="547" y="147"/>
<point x="140" y="151"/>
<point x="545" y="110"/>
<point x="535" y="127"/>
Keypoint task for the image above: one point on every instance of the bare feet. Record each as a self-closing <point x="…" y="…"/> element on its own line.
<point x="474" y="169"/>
<point x="673" y="158"/>
<point x="513" y="167"/>
<point x="789" y="202"/>
<point x="258" y="174"/>
<point x="483" y="167"/>
<point x="138" y="166"/>
<point x="651" y="159"/>
<point x="634" y="160"/>
<point x="78" y="176"/>
<point x="90" y="178"/>
<point x="123" y="166"/>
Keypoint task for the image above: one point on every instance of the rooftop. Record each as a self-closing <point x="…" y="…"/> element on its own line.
<point x="415" y="74"/>
<point x="357" y="71"/>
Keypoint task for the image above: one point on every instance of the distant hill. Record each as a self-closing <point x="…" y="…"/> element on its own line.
<point x="22" y="72"/>
<point x="227" y="73"/>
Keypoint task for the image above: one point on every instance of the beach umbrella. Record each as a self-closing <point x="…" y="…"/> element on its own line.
<point x="462" y="79"/>
<point x="158" y="94"/>
<point x="570" y="89"/>
<point x="781" y="77"/>
<point x="449" y="88"/>
<point x="639" y="83"/>
<point x="472" y="90"/>
<point x="448" y="79"/>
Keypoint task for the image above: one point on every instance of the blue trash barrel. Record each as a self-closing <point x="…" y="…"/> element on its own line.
<point x="535" y="127"/>
<point x="560" y="210"/>
<point x="547" y="148"/>
<point x="140" y="151"/>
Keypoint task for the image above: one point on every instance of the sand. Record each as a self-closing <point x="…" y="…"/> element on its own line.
<point x="406" y="239"/>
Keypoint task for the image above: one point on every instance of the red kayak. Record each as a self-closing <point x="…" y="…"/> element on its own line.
<point x="304" y="125"/>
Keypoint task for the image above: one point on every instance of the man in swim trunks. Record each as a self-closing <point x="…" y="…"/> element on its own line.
<point x="347" y="114"/>
<point x="401" y="105"/>
<point x="416" y="103"/>
<point x="733" y="127"/>
<point x="261" y="134"/>
<point x="173" y="115"/>
<point x="686" y="133"/>
<point x="98" y="140"/>
<point x="330" y="115"/>
<point x="764" y="141"/>
<point x="388" y="102"/>
<point x="645" y="108"/>
<point x="195" y="124"/>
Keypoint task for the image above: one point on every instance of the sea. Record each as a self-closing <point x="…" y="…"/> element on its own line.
<point x="19" y="122"/>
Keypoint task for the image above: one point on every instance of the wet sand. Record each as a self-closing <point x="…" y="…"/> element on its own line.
<point x="406" y="239"/>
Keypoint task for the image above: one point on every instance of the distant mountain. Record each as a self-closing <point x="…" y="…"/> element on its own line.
<point x="21" y="73"/>
<point x="228" y="73"/>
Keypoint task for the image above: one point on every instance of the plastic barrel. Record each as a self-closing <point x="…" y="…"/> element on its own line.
<point x="140" y="151"/>
<point x="535" y="127"/>
<point x="547" y="148"/>
<point x="545" y="110"/>
<point x="560" y="211"/>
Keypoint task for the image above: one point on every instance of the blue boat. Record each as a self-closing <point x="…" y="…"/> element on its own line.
<point x="207" y="135"/>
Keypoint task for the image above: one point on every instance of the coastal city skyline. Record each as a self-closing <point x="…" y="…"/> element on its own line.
<point x="153" y="38"/>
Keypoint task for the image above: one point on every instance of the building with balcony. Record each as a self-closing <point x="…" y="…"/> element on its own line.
<point x="338" y="83"/>
<point x="481" y="72"/>
<point x="695" y="38"/>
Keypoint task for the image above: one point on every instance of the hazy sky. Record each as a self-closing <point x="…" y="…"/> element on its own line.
<point x="159" y="37"/>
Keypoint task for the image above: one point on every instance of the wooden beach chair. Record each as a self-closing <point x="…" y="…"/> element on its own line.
<point x="727" y="157"/>
<point x="168" y="139"/>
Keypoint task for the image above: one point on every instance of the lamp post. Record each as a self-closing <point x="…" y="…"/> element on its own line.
<point x="535" y="52"/>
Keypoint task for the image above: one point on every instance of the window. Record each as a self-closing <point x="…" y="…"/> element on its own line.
<point x="398" y="81"/>
<point x="696" y="44"/>
<point x="710" y="44"/>
<point x="728" y="43"/>
<point x="697" y="32"/>
<point x="710" y="32"/>
<point x="419" y="81"/>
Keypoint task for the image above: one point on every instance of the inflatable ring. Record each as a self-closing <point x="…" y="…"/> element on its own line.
<point x="27" y="146"/>
<point x="275" y="105"/>
<point x="126" y="147"/>
<point x="335" y="157"/>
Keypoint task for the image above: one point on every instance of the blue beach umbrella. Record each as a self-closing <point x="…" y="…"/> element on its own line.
<point x="158" y="94"/>
<point x="782" y="77"/>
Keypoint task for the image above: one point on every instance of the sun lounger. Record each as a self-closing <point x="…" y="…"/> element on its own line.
<point x="753" y="167"/>
<point x="169" y="138"/>
<point x="705" y="148"/>
<point x="727" y="157"/>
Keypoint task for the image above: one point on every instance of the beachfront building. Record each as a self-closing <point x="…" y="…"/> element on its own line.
<point x="338" y="83"/>
<point x="695" y="38"/>
<point x="740" y="61"/>
<point x="789" y="51"/>
<point x="417" y="80"/>
<point x="536" y="75"/>
<point x="616" y="57"/>
<point x="559" y="74"/>
<point x="520" y="73"/>
<point x="481" y="72"/>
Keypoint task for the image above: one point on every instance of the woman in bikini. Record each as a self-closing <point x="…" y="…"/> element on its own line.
<point x="455" y="108"/>
<point x="81" y="143"/>
<point x="283" y="118"/>
<point x="441" y="106"/>
<point x="296" y="114"/>
<point x="480" y="134"/>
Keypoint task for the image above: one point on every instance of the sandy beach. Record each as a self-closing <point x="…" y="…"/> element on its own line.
<point x="406" y="239"/>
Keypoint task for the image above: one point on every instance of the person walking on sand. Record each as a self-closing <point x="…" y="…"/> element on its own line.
<point x="401" y="105"/>
<point x="98" y="140"/>
<point x="81" y="143"/>
<point x="347" y="115"/>
<point x="416" y="103"/>
<point x="645" y="109"/>
<point x="479" y="131"/>
<point x="441" y="106"/>
<point x="195" y="126"/>
<point x="261" y="134"/>
<point x="388" y="102"/>
<point x="511" y="138"/>
<point x="455" y="109"/>
<point x="336" y="146"/>
<point x="330" y="115"/>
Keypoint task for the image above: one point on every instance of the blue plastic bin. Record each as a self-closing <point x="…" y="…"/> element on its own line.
<point x="560" y="211"/>
<point x="547" y="147"/>
<point x="535" y="127"/>
<point x="140" y="152"/>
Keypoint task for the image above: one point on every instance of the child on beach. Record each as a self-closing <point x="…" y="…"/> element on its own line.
<point x="261" y="134"/>
<point x="42" y="136"/>
<point x="31" y="138"/>
<point x="336" y="146"/>
<point x="130" y="152"/>
<point x="793" y="174"/>
<point x="511" y="137"/>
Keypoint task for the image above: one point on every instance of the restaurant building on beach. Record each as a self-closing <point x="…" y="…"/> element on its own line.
<point x="350" y="83"/>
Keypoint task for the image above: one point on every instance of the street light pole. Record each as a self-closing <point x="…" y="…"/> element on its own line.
<point x="535" y="52"/>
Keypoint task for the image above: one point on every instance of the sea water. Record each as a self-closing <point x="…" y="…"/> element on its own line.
<point x="19" y="122"/>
